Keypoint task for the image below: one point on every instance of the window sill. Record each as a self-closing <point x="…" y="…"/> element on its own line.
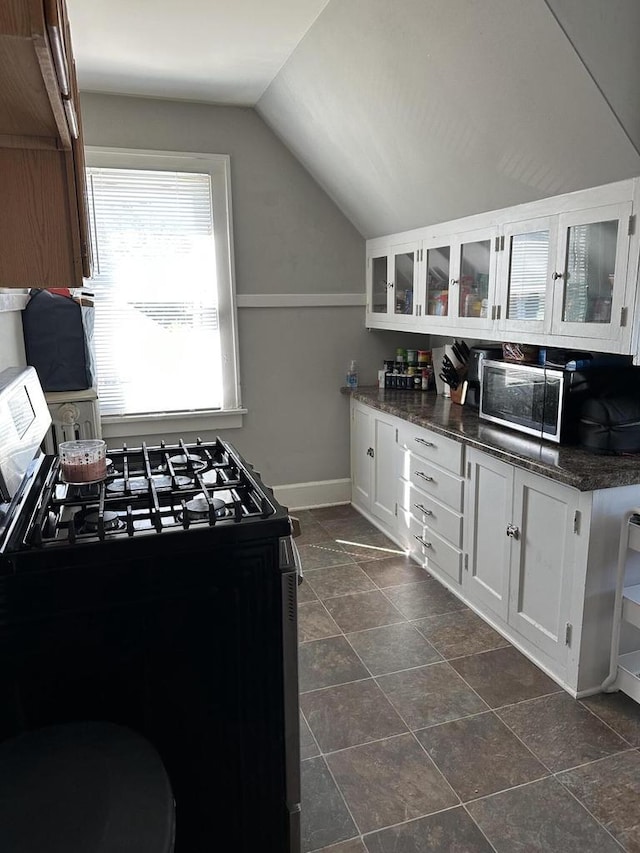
<point x="123" y="426"/>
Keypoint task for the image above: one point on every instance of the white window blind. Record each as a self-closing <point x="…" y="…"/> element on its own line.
<point x="157" y="316"/>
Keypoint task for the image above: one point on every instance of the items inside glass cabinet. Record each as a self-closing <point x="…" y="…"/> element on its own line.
<point x="588" y="278"/>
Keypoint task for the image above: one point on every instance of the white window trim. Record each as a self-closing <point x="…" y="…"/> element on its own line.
<point x="218" y="166"/>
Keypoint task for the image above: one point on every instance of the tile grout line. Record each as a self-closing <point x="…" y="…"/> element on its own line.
<point x="604" y="722"/>
<point x="590" y="813"/>
<point x="480" y="829"/>
<point x="411" y="731"/>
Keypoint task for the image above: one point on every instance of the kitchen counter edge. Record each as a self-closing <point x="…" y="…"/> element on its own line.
<point x="570" y="465"/>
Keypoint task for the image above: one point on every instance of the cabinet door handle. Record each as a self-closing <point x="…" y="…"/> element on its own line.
<point x="423" y="509"/>
<point x="424" y="476"/>
<point x="370" y="452"/>
<point x="422" y="542"/>
<point x="425" y="442"/>
<point x="557" y="275"/>
<point x="454" y="281"/>
<point x="389" y="284"/>
<point x="513" y="531"/>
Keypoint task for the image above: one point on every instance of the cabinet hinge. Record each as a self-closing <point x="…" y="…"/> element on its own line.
<point x="468" y="470"/>
<point x="576" y="521"/>
<point x="568" y="629"/>
<point x="498" y="311"/>
<point x="502" y="243"/>
<point x="632" y="225"/>
<point x="395" y="511"/>
<point x="497" y="244"/>
<point x="623" y="315"/>
<point x="396" y="435"/>
<point x="466" y="562"/>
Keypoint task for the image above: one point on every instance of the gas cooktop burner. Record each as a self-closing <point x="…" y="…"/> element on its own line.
<point x="191" y="459"/>
<point x="198" y="507"/>
<point x="89" y="521"/>
<point x="141" y="484"/>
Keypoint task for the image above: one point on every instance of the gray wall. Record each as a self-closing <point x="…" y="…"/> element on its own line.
<point x="11" y="340"/>
<point x="412" y="112"/>
<point x="289" y="237"/>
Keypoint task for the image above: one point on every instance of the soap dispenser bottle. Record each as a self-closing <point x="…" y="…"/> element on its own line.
<point x="352" y="376"/>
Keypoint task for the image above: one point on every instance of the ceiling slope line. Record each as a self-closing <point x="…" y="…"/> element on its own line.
<point x="592" y="77"/>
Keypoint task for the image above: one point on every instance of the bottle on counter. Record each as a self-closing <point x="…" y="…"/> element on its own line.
<point x="352" y="376"/>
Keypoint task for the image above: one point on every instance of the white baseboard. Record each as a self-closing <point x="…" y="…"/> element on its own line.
<point x="310" y="495"/>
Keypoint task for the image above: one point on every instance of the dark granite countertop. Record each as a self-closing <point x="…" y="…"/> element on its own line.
<point x="570" y="465"/>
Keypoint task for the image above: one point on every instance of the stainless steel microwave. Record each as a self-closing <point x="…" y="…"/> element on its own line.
<point x="547" y="402"/>
<point x="525" y="397"/>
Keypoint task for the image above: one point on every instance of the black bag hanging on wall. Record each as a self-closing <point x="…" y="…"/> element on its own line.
<point x="58" y="341"/>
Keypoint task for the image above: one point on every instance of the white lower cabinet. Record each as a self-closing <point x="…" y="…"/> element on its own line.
<point x="374" y="465"/>
<point x="430" y="500"/>
<point x="536" y="558"/>
<point x="487" y="512"/>
<point x="520" y="542"/>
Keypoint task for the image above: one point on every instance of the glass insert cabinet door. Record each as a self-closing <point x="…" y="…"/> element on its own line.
<point x="527" y="254"/>
<point x="438" y="274"/>
<point x="404" y="260"/>
<point x="379" y="284"/>
<point x="473" y="280"/>
<point x="591" y="269"/>
<point x="589" y="272"/>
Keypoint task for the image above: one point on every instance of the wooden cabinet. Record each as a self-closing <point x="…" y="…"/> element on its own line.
<point x="558" y="272"/>
<point x="374" y="464"/>
<point x="43" y="217"/>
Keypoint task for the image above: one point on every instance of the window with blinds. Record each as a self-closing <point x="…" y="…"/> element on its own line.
<point x="160" y="310"/>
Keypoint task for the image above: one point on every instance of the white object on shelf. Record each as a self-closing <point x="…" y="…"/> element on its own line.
<point x="75" y="415"/>
<point x="624" y="670"/>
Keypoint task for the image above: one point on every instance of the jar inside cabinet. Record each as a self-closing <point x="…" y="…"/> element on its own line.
<point x="438" y="274"/>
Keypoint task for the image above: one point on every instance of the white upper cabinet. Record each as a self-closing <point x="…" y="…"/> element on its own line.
<point x="392" y="282"/>
<point x="559" y="271"/>
<point x="591" y="272"/>
<point x="525" y="275"/>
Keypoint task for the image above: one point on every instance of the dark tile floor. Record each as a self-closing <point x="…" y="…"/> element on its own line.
<point x="423" y="729"/>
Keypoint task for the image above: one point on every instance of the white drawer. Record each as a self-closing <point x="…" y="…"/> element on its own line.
<point x="445" y="452"/>
<point x="433" y="481"/>
<point x="441" y="555"/>
<point x="444" y="521"/>
<point x="409" y="533"/>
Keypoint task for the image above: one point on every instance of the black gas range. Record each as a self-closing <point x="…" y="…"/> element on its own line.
<point x="151" y="490"/>
<point x="162" y="598"/>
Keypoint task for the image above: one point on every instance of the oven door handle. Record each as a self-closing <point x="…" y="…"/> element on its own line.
<point x="297" y="560"/>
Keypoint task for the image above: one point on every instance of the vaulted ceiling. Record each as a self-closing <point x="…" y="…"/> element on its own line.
<point x="407" y="112"/>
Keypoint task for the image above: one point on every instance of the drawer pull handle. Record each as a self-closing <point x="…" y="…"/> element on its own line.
<point x="424" y="476"/>
<point x="423" y="509"/>
<point x="425" y="442"/>
<point x="422" y="542"/>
